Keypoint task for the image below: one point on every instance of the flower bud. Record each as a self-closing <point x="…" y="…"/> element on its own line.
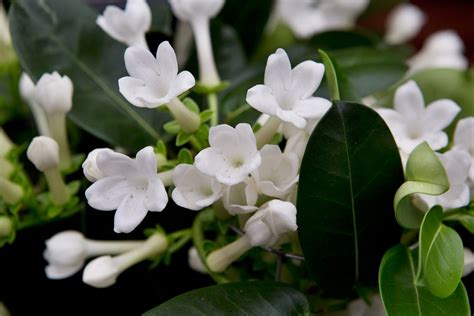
<point x="43" y="152"/>
<point x="10" y="192"/>
<point x="404" y="23"/>
<point x="90" y="167"/>
<point x="195" y="261"/>
<point x="271" y="221"/>
<point x="65" y="253"/>
<point x="6" y="226"/>
<point x="101" y="272"/>
<point x="54" y="93"/>
<point x="27" y="88"/>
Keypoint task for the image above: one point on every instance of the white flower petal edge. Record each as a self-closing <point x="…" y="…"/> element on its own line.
<point x="232" y="154"/>
<point x="457" y="164"/>
<point x="464" y="140"/>
<point x="270" y="222"/>
<point x="153" y="82"/>
<point x="128" y="185"/>
<point x="287" y="93"/>
<point x="404" y="23"/>
<point x="411" y="123"/>
<point x="187" y="10"/>
<point x="468" y="262"/>
<point x="241" y="198"/>
<point x="53" y="93"/>
<point x="66" y="254"/>
<point x="129" y="25"/>
<point x="194" y="190"/>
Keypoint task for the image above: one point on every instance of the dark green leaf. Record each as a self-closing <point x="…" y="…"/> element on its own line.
<point x="441" y="255"/>
<point x="245" y="298"/>
<point x="425" y="174"/>
<point x="72" y="44"/>
<point x="401" y="296"/>
<point x="349" y="174"/>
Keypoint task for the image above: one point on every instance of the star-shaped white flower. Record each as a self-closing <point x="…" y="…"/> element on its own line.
<point x="270" y="222"/>
<point x="129" y="25"/>
<point x="278" y="173"/>
<point x="194" y="190"/>
<point x="153" y="82"/>
<point x="288" y="93"/>
<point x="464" y="140"/>
<point x="130" y="186"/>
<point x="411" y="123"/>
<point x="233" y="154"/>
<point x="457" y="164"/>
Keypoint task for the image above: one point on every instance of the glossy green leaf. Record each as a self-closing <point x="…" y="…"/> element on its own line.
<point x="424" y="174"/>
<point x="245" y="298"/>
<point x="57" y="35"/>
<point x="401" y="296"/>
<point x="465" y="218"/>
<point x="331" y="75"/>
<point x="349" y="174"/>
<point x="441" y="255"/>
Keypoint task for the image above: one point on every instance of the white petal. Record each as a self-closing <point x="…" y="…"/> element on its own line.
<point x="464" y="134"/>
<point x="116" y="164"/>
<point x="106" y="194"/>
<point x="130" y="213"/>
<point x="439" y="114"/>
<point x="112" y="22"/>
<point x="183" y="82"/>
<point x="167" y="62"/>
<point x="404" y="23"/>
<point x="260" y="97"/>
<point x="306" y="78"/>
<point x="56" y="272"/>
<point x="136" y="92"/>
<point x="409" y="100"/>
<point x="313" y="107"/>
<point x="209" y="161"/>
<point x="435" y="140"/>
<point x="156" y="196"/>
<point x="291" y="117"/>
<point x="278" y="71"/>
<point x="139" y="15"/>
<point x="141" y="64"/>
<point x="146" y="161"/>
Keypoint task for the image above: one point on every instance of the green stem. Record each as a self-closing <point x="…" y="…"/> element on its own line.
<point x="213" y="106"/>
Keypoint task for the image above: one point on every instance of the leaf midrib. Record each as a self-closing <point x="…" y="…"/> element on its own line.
<point x="126" y="107"/>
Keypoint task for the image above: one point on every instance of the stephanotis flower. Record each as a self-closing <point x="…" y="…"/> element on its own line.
<point x="404" y="23"/>
<point x="278" y="173"/>
<point x="241" y="198"/>
<point x="464" y="140"/>
<point x="232" y="154"/>
<point x="288" y="93"/>
<point x="411" y="123"/>
<point x="130" y="186"/>
<point x="457" y="164"/>
<point x="89" y="166"/>
<point x="194" y="190"/>
<point x="129" y="25"/>
<point x="443" y="49"/>
<point x="153" y="82"/>
<point x="53" y="93"/>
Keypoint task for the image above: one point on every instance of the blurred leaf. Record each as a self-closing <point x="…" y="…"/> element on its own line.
<point x="339" y="85"/>
<point x="333" y="40"/>
<point x="401" y="296"/>
<point x="72" y="44"/>
<point x="162" y="17"/>
<point x="244" y="298"/>
<point x="424" y="174"/>
<point x="349" y="174"/>
<point x="441" y="255"/>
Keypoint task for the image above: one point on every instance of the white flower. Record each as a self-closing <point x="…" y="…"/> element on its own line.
<point x="287" y="93"/>
<point x="404" y="23"/>
<point x="67" y="251"/>
<point x="457" y="164"/>
<point x="89" y="166"/>
<point x="131" y="186"/>
<point x="464" y="140"/>
<point x="278" y="173"/>
<point x="241" y="198"/>
<point x="411" y="123"/>
<point x="127" y="26"/>
<point x="307" y="17"/>
<point x="5" y="37"/>
<point x="26" y="88"/>
<point x="297" y="144"/>
<point x="443" y="49"/>
<point x="468" y="262"/>
<point x="194" y="190"/>
<point x="103" y="271"/>
<point x="53" y="93"/>
<point x="43" y="152"/>
<point x="195" y="262"/>
<point x="189" y="10"/>
<point x="270" y="222"/>
<point x="233" y="154"/>
<point x="153" y="82"/>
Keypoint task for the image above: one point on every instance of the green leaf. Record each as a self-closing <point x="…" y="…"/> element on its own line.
<point x="441" y="255"/>
<point x="349" y="174"/>
<point x="172" y="127"/>
<point x="465" y="218"/>
<point x="331" y="75"/>
<point x="401" y="296"/>
<point x="185" y="156"/>
<point x="191" y="104"/>
<point x="205" y="115"/>
<point x="182" y="138"/>
<point x="244" y="298"/>
<point x="425" y="174"/>
<point x="72" y="44"/>
<point x="160" y="148"/>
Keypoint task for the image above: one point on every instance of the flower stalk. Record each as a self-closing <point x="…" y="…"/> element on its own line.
<point x="187" y="119"/>
<point x="220" y="259"/>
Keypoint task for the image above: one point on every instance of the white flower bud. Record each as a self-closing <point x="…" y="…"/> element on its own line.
<point x="43" y="152"/>
<point x="188" y="10"/>
<point x="66" y="253"/>
<point x="404" y="23"/>
<point x="89" y="166"/>
<point x="53" y="93"/>
<point x="468" y="262"/>
<point x="270" y="222"/>
<point x="101" y="272"/>
<point x="27" y="88"/>
<point x="195" y="261"/>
